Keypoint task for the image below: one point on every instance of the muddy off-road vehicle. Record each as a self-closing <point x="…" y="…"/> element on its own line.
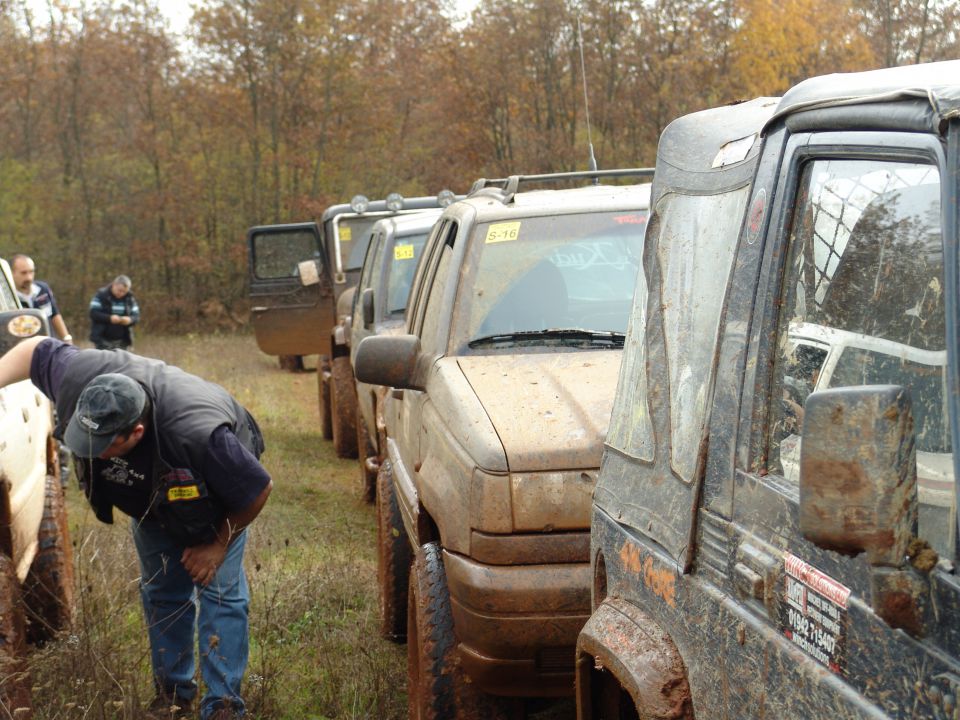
<point x="501" y="391"/>
<point x="761" y="544"/>
<point x="380" y="303"/>
<point x="299" y="274"/>
<point x="36" y="565"/>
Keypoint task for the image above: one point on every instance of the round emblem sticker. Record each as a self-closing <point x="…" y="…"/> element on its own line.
<point x="24" y="326"/>
<point x="755" y="218"/>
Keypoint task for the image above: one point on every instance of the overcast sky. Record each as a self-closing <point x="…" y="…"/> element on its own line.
<point x="179" y="12"/>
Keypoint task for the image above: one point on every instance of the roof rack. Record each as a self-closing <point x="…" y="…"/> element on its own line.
<point x="511" y="185"/>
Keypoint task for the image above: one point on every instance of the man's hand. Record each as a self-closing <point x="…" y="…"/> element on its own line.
<point x="115" y="319"/>
<point x="202" y="561"/>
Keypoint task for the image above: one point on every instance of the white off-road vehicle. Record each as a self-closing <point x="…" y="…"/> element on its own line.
<point x="36" y="566"/>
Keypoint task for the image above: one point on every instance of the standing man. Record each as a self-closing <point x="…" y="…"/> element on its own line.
<point x="37" y="294"/>
<point x="179" y="455"/>
<point x="113" y="312"/>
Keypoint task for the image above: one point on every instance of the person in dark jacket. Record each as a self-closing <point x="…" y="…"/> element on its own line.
<point x="113" y="313"/>
<point x="180" y="456"/>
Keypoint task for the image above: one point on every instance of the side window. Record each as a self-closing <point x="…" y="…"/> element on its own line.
<point x="864" y="306"/>
<point x="277" y="254"/>
<point x="422" y="274"/>
<point x="366" y="274"/>
<point x="368" y="263"/>
<point x="8" y="300"/>
<point x="437" y="310"/>
<point x="376" y="271"/>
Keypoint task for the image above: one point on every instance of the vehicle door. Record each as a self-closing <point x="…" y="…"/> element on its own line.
<point x="428" y="318"/>
<point x="855" y="249"/>
<point x="359" y="327"/>
<point x="291" y="292"/>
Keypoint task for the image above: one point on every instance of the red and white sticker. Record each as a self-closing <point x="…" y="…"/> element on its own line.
<point x="814" y="613"/>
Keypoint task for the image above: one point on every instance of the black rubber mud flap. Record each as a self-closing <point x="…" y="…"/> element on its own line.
<point x="343" y="408"/>
<point x="393" y="559"/>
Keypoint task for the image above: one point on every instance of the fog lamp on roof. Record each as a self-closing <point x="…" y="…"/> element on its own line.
<point x="359" y="203"/>
<point x="394" y="202"/>
<point x="445" y="197"/>
<point x="24" y="326"/>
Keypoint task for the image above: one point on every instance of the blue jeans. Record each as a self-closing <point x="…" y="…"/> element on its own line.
<point x="170" y="601"/>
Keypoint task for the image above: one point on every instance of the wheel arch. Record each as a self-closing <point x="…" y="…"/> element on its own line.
<point x="623" y="641"/>
<point x="427" y="528"/>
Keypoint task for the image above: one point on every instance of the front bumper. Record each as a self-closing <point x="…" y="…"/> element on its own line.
<point x="517" y="625"/>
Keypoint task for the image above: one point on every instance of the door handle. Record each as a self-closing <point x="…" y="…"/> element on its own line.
<point x="259" y="308"/>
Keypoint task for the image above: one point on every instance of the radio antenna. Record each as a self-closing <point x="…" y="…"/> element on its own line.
<point x="586" y="101"/>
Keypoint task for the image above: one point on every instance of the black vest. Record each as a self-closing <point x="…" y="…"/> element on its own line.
<point x="186" y="411"/>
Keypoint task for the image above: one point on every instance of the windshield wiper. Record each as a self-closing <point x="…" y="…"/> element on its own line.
<point x="576" y="336"/>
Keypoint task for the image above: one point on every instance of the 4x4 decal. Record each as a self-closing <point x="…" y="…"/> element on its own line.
<point x="661" y="581"/>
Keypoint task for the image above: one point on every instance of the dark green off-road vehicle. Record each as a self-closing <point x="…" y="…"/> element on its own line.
<point x="774" y="528"/>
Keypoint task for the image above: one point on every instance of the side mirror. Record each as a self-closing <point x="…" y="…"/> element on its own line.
<point x="17" y="325"/>
<point x="309" y="273"/>
<point x="366" y="302"/>
<point x="389" y="360"/>
<point x="858" y="472"/>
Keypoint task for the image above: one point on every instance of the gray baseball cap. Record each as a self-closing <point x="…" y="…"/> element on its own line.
<point x="109" y="404"/>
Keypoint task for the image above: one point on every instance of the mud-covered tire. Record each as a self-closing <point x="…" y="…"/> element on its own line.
<point x="48" y="589"/>
<point x="393" y="559"/>
<point x="431" y="644"/>
<point x="293" y="363"/>
<point x="323" y="400"/>
<point x="14" y="678"/>
<point x="343" y="408"/>
<point x="365" y="450"/>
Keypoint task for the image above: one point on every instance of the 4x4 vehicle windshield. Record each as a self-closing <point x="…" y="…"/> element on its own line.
<point x="561" y="272"/>
<point x="399" y="272"/>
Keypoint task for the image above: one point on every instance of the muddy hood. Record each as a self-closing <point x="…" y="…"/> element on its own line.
<point x="550" y="410"/>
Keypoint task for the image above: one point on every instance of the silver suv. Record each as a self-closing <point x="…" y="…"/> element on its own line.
<point x="501" y="392"/>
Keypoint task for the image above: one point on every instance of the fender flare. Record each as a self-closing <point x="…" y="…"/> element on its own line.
<point x="622" y="639"/>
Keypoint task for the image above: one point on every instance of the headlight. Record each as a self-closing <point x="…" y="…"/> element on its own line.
<point x="359" y="204"/>
<point x="445" y="198"/>
<point x="394" y="202"/>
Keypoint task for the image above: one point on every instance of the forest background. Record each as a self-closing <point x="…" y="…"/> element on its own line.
<point x="125" y="147"/>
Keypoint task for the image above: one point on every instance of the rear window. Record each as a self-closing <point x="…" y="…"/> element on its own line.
<point x="277" y="254"/>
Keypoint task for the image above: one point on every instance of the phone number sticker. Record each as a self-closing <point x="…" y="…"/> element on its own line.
<point x="403" y="252"/>
<point x="813" y="615"/>
<point x="503" y="232"/>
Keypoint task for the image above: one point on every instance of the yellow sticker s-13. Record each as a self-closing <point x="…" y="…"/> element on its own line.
<point x="503" y="232"/>
<point x="403" y="252"/>
<point x="346" y="233"/>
